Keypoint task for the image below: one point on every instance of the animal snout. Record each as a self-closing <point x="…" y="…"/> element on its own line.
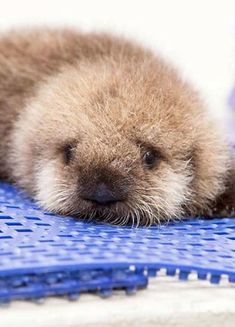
<point x="102" y="194"/>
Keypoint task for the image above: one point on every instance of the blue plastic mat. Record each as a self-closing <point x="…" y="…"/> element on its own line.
<point x="42" y="254"/>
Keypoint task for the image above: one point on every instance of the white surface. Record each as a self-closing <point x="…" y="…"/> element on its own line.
<point x="167" y="302"/>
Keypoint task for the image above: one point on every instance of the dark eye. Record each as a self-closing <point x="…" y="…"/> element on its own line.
<point x="68" y="153"/>
<point x="150" y="158"/>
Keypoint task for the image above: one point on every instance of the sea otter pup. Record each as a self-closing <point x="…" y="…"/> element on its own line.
<point x="97" y="126"/>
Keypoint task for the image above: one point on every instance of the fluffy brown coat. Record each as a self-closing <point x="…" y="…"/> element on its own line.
<point x="82" y="110"/>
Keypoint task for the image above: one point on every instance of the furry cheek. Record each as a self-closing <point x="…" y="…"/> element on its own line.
<point x="171" y="192"/>
<point x="51" y="193"/>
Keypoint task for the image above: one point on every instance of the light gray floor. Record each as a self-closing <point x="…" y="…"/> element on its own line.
<point x="167" y="302"/>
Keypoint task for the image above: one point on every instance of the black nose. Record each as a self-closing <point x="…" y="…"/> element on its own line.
<point x="102" y="195"/>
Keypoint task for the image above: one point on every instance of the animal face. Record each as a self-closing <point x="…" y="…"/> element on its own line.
<point x="124" y="144"/>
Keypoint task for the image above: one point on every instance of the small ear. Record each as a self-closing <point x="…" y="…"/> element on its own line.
<point x="225" y="204"/>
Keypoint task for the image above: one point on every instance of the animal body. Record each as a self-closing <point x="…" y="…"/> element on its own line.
<point x="99" y="127"/>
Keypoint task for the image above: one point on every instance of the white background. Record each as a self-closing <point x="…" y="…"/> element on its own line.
<point x="198" y="36"/>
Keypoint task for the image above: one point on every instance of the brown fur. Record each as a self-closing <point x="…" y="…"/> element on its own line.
<point x="111" y="101"/>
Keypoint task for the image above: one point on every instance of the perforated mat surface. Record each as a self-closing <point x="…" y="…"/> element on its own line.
<point x="43" y="254"/>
